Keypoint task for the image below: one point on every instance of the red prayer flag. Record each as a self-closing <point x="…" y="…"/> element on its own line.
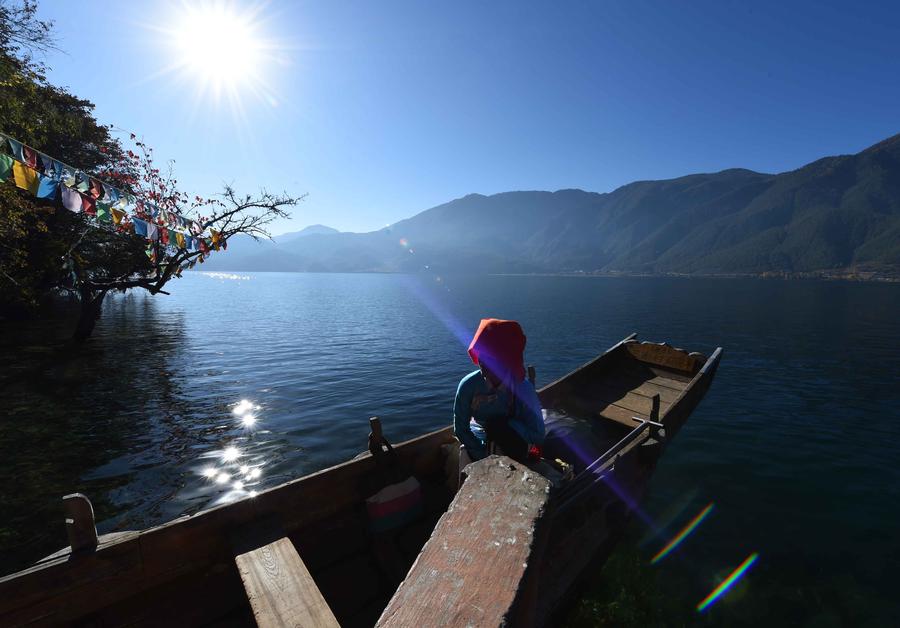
<point x="89" y="205"/>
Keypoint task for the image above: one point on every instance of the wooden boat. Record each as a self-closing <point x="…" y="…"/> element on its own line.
<point x="508" y="547"/>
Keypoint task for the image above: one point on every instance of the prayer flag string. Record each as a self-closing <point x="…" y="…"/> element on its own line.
<point x="50" y="179"/>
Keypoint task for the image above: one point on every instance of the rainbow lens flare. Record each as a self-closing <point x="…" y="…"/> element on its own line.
<point x="727" y="583"/>
<point x="675" y="542"/>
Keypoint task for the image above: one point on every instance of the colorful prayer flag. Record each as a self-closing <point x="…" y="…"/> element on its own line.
<point x="18" y="149"/>
<point x="47" y="187"/>
<point x="82" y="182"/>
<point x="152" y="231"/>
<point x="6" y="167"/>
<point x="50" y="167"/>
<point x="71" y="198"/>
<point x="67" y="176"/>
<point x="179" y="239"/>
<point x="117" y="215"/>
<point x="112" y="194"/>
<point x="26" y="177"/>
<point x="89" y="205"/>
<point x="103" y="212"/>
<point x="30" y="157"/>
<point x="95" y="188"/>
<point x="140" y="227"/>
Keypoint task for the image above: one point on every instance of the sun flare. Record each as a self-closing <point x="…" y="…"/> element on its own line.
<point x="219" y="51"/>
<point x="218" y="44"/>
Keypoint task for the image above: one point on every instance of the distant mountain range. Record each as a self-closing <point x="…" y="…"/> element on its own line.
<point x="835" y="216"/>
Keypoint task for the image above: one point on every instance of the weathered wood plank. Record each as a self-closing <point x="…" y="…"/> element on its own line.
<point x="656" y="374"/>
<point x="621" y="415"/>
<point x="280" y="588"/>
<point x="644" y="387"/>
<point x="479" y="566"/>
<point x="661" y="354"/>
<point x="628" y="400"/>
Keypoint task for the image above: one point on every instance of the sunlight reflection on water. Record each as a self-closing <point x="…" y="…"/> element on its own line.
<point x="229" y="276"/>
<point x="233" y="475"/>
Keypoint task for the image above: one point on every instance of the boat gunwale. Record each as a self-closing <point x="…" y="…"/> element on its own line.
<point x="23" y="589"/>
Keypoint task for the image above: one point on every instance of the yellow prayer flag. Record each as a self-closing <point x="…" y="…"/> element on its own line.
<point x="117" y="215"/>
<point x="26" y="177"/>
<point x="179" y="238"/>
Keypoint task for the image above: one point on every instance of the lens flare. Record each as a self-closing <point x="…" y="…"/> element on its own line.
<point x="210" y="473"/>
<point x="681" y="536"/>
<point x="248" y="420"/>
<point x="223" y="478"/>
<point x="726" y="584"/>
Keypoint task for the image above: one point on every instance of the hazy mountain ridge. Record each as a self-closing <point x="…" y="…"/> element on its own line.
<point x="833" y="215"/>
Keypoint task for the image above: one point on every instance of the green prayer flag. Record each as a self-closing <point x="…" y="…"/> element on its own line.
<point x="6" y="166"/>
<point x="104" y="213"/>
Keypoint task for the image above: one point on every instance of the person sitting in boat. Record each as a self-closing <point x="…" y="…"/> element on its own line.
<point x="497" y="404"/>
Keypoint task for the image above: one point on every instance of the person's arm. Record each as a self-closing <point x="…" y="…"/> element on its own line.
<point x="462" y="413"/>
<point x="529" y="415"/>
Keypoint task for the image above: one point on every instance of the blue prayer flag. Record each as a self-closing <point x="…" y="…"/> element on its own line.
<point x="47" y="187"/>
<point x="50" y="167"/>
<point x="140" y="227"/>
<point x="18" y="149"/>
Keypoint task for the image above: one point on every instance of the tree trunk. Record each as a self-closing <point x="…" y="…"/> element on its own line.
<point x="91" y="304"/>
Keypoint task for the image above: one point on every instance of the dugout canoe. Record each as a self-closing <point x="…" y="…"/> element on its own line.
<point x="303" y="553"/>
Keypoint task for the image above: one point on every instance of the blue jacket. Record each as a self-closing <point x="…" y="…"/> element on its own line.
<point x="477" y="403"/>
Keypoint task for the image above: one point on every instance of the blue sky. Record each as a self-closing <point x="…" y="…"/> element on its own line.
<point x="379" y="110"/>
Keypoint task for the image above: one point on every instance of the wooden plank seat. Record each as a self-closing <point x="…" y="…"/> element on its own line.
<point x="279" y="587"/>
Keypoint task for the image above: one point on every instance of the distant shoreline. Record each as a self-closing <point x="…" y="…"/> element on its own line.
<point x="868" y="277"/>
<point x="856" y="277"/>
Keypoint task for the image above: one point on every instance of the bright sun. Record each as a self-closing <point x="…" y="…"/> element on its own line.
<point x="218" y="43"/>
<point x="220" y="50"/>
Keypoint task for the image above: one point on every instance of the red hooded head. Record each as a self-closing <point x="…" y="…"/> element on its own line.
<point x="499" y="345"/>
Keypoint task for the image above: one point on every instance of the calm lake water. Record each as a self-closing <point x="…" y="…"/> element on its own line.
<point x="797" y="443"/>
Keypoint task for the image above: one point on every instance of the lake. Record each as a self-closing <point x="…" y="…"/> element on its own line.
<point x="796" y="444"/>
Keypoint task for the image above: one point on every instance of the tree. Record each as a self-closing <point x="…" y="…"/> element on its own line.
<point x="45" y="249"/>
<point x="105" y="260"/>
